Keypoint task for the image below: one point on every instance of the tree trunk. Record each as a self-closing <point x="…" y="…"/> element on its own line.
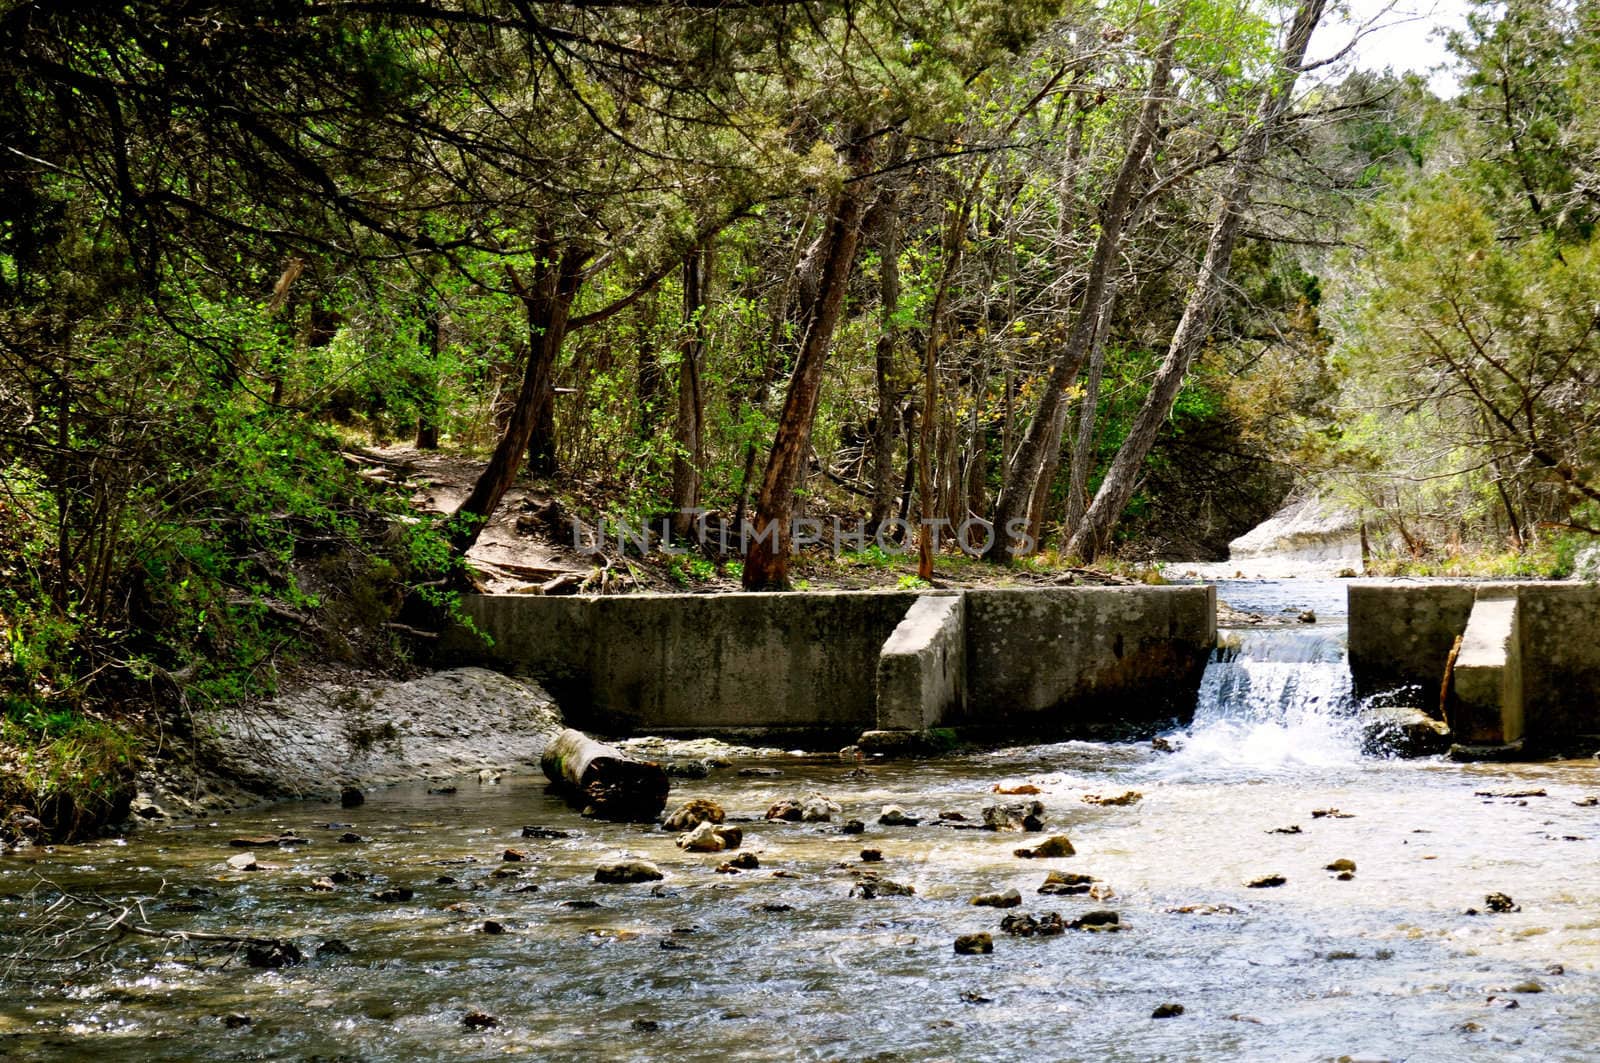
<point x="432" y="338"/>
<point x="604" y="781"/>
<point x="766" y="565"/>
<point x="689" y="457"/>
<point x="1195" y="326"/>
<point x="1044" y="433"/>
<point x="883" y="425"/>
<point x="549" y="306"/>
<point x="1088" y="412"/>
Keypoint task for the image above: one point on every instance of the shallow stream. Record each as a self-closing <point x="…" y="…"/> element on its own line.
<point x="781" y="962"/>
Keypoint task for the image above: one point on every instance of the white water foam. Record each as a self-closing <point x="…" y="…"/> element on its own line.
<point x="1278" y="701"/>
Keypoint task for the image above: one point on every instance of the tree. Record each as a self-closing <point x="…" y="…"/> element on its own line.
<point x="1118" y="485"/>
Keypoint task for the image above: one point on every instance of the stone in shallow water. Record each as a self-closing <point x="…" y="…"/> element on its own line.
<point x="1049" y="849"/>
<point x="1167" y="1011"/>
<point x="1098" y="920"/>
<point x="895" y="816"/>
<point x="1016" y="816"/>
<point x="974" y="944"/>
<point x="627" y="871"/>
<point x="479" y="1020"/>
<point x="871" y="888"/>
<point x="1266" y="882"/>
<point x="692" y="813"/>
<point x="1007" y="899"/>
<point x="1342" y="864"/>
<point x="1500" y="902"/>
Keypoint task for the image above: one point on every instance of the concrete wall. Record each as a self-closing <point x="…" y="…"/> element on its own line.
<point x="922" y="668"/>
<point x="1560" y="660"/>
<point x="1050" y="659"/>
<point x="1402" y="633"/>
<point x="1075" y="658"/>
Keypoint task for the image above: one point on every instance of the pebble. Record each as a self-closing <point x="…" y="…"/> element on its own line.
<point x="1266" y="882"/>
<point x="1167" y="1011"/>
<point x="1341" y="865"/>
<point x="1019" y="924"/>
<point x="513" y="856"/>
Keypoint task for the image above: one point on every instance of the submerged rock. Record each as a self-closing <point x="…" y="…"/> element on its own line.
<point x="1050" y="849"/>
<point x="351" y="797"/>
<point x="1403" y="732"/>
<point x="742" y="862"/>
<point x="394" y="895"/>
<point x="895" y="816"/>
<point x="1341" y="865"/>
<point x="1097" y="920"/>
<point x="692" y="813"/>
<point x="1065" y="883"/>
<point x="1022" y="925"/>
<point x="1017" y="816"/>
<point x="974" y="944"/>
<point x="273" y="955"/>
<point x="1500" y="902"/>
<point x="871" y="856"/>
<point x="711" y="837"/>
<point x="1266" y="882"/>
<point x="1167" y="1011"/>
<point x="1008" y="899"/>
<point x="627" y="871"/>
<point x="812" y="808"/>
<point x="868" y="889"/>
<point x="244" y="862"/>
<point x="479" y="1020"/>
<point x="686" y="769"/>
<point x="1130" y="797"/>
<point x="854" y="826"/>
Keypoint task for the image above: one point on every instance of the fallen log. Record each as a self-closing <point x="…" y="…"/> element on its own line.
<point x="604" y="781"/>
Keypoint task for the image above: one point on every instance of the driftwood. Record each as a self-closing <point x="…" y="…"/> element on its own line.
<point x="603" y="780"/>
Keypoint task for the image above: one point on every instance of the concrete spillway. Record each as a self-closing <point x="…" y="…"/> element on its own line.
<point x="1051" y="660"/>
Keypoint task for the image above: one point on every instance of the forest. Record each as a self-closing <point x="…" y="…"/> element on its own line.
<point x="1116" y="278"/>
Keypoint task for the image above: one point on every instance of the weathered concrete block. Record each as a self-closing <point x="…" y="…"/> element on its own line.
<point x="1078" y="658"/>
<point x="1560" y="663"/>
<point x="1401" y="634"/>
<point x="1485" y="703"/>
<point x="922" y="668"/>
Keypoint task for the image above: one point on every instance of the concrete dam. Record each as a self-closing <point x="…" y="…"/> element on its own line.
<point x="1071" y="660"/>
<point x="1513" y="668"/>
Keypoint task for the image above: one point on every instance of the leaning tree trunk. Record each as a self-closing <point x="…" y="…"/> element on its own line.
<point x="766" y="565"/>
<point x="604" y="781"/>
<point x="1195" y="326"/>
<point x="1044" y="433"/>
<point x="689" y="455"/>
<point x="549" y="306"/>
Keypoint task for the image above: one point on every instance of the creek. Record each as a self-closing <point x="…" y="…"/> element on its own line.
<point x="782" y="962"/>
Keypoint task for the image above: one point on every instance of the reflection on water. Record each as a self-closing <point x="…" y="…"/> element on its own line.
<point x="760" y="965"/>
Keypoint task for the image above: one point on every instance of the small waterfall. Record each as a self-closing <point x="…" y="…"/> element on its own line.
<point x="1271" y="699"/>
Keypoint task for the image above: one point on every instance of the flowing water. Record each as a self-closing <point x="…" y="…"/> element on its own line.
<point x="782" y="962"/>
